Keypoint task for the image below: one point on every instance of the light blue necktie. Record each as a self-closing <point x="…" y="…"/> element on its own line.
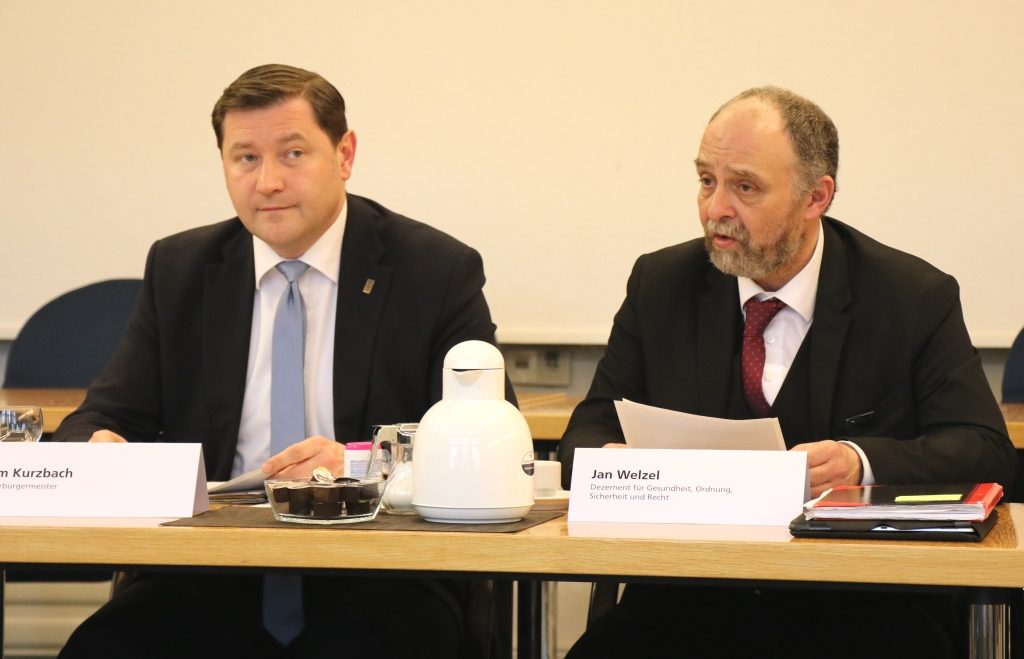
<point x="287" y="381"/>
<point x="282" y="593"/>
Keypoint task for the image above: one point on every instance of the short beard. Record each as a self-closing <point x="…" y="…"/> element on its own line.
<point x="746" y="260"/>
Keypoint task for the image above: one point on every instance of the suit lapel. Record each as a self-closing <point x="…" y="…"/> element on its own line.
<point x="717" y="312"/>
<point x="228" y="291"/>
<point x="362" y="290"/>
<point x="828" y="332"/>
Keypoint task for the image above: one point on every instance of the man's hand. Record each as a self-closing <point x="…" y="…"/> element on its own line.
<point x="831" y="463"/>
<point x="107" y="436"/>
<point x="300" y="459"/>
<point x="614" y="445"/>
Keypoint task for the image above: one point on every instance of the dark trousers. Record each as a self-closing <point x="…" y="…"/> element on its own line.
<point x="193" y="616"/>
<point x="654" y="621"/>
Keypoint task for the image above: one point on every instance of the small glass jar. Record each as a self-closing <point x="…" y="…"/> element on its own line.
<point x="398" y="496"/>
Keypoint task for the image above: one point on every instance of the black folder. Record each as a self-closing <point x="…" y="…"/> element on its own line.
<point x="877" y="529"/>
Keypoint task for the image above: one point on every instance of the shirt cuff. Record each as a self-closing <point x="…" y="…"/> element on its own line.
<point x="867" y="476"/>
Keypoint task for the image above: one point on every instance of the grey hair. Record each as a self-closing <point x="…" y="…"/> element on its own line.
<point x="814" y="136"/>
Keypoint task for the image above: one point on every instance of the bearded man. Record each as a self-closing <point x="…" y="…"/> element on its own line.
<point x="858" y="349"/>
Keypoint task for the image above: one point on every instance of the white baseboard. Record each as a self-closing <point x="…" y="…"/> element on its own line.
<point x="39" y="617"/>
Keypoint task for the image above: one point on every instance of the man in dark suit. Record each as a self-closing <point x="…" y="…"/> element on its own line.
<point x="384" y="298"/>
<point x="865" y="360"/>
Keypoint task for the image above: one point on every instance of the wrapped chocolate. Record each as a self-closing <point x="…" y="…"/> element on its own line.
<point x="324" y="499"/>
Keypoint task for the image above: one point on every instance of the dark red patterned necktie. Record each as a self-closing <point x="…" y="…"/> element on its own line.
<point x="759" y="314"/>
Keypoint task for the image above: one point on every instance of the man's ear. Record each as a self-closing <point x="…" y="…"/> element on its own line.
<point x="820" y="197"/>
<point x="346" y="154"/>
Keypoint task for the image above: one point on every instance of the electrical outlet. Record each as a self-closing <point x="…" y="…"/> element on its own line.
<point x="553" y="367"/>
<point x="538" y="366"/>
<point x="521" y="365"/>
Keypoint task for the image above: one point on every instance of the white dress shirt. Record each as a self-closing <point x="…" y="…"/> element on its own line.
<point x="319" y="288"/>
<point x="786" y="331"/>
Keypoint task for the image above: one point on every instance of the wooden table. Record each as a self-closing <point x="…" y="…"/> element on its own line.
<point x="553" y="550"/>
<point x="547" y="413"/>
<point x="1014" y="415"/>
<point x="56" y="403"/>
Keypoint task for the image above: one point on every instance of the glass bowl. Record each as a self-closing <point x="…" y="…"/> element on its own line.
<point x="305" y="501"/>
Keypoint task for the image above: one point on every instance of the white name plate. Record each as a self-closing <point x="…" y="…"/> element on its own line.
<point x="77" y="479"/>
<point x="685" y="486"/>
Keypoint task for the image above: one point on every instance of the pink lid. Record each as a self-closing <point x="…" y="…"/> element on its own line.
<point x="358" y="446"/>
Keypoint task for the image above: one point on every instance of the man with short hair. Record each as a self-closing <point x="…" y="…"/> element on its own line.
<point x="861" y="353"/>
<point x="374" y="302"/>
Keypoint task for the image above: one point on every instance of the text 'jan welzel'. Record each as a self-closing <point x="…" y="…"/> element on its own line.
<point x="628" y="487"/>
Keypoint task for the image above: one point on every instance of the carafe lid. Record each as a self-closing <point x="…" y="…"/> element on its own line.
<point x="474" y="355"/>
<point x="473" y="370"/>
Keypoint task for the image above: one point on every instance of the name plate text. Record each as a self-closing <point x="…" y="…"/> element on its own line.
<point x="687" y="486"/>
<point x="75" y="479"/>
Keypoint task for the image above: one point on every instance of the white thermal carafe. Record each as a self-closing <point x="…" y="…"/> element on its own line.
<point x="474" y="453"/>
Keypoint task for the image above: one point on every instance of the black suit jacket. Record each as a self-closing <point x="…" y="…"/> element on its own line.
<point x="887" y="364"/>
<point x="179" y="374"/>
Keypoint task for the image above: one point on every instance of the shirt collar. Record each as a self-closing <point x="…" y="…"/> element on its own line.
<point x="324" y="255"/>
<point x="799" y="292"/>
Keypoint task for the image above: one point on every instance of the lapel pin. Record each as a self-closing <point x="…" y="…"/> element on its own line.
<point x="368" y="286"/>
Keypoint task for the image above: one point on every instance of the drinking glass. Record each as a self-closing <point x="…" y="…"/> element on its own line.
<point x="380" y="450"/>
<point x="21" y="424"/>
<point x="398" y="497"/>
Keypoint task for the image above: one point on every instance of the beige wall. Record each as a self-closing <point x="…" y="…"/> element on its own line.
<point x="557" y="137"/>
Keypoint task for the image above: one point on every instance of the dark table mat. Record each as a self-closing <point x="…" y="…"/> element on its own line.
<point x="263" y="518"/>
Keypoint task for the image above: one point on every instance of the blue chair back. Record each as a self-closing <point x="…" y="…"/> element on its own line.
<point x="1013" y="372"/>
<point x="1013" y="392"/>
<point x="67" y="342"/>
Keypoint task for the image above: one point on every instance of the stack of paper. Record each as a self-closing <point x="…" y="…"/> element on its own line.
<point x="240" y="490"/>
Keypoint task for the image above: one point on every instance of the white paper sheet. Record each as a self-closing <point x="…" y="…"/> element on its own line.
<point x="252" y="480"/>
<point x="653" y="427"/>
